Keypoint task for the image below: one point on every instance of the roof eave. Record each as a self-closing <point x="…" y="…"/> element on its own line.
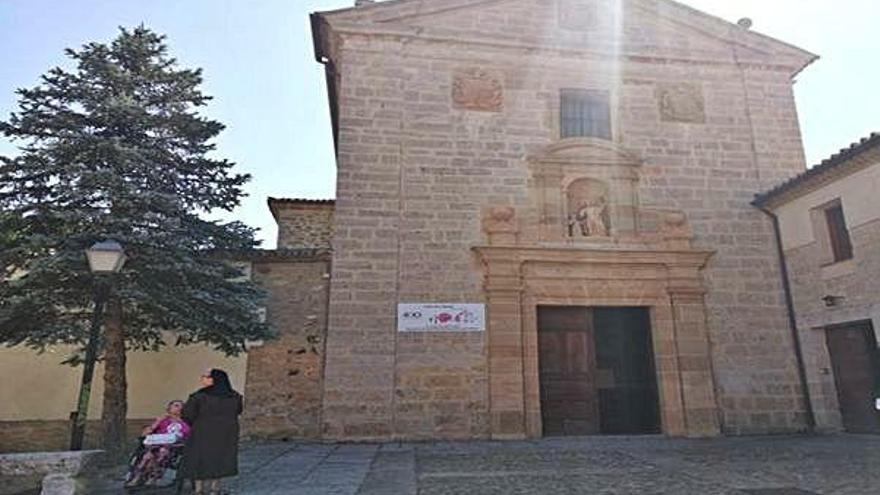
<point x="812" y="58"/>
<point x="319" y="45"/>
<point x="317" y="20"/>
<point x="275" y="204"/>
<point x="803" y="183"/>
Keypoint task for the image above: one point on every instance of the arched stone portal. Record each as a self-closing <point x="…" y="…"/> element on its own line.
<point x="645" y="260"/>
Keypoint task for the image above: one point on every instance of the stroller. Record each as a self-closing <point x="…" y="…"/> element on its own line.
<point x="169" y="465"/>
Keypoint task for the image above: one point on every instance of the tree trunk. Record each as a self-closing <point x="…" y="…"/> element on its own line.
<point x="115" y="407"/>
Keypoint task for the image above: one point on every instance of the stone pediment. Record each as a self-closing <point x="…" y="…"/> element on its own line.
<point x="630" y="27"/>
<point x="585" y="151"/>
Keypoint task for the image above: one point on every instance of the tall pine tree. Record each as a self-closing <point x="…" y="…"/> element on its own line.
<point x="117" y="149"/>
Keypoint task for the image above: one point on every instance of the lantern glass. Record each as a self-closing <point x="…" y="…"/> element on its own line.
<point x="106" y="257"/>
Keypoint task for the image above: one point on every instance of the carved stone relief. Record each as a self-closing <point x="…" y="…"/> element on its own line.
<point x="477" y="89"/>
<point x="578" y="14"/>
<point x="676" y="231"/>
<point x="588" y="209"/>
<point x="681" y="102"/>
<point x="500" y="219"/>
<point x="499" y="223"/>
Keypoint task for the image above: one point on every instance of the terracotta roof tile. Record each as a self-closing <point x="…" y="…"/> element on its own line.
<point x="831" y="163"/>
<point x="300" y="200"/>
<point x="284" y="254"/>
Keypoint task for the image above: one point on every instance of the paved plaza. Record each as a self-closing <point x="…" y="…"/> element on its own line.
<point x="789" y="465"/>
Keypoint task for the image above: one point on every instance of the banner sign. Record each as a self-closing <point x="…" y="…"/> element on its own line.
<point x="453" y="317"/>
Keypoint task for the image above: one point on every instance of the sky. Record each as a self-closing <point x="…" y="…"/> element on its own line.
<point x="269" y="91"/>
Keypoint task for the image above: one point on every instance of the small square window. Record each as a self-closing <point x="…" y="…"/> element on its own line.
<point x="585" y="113"/>
<point x="841" y="246"/>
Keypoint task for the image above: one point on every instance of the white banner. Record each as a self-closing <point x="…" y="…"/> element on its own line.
<point x="452" y="317"/>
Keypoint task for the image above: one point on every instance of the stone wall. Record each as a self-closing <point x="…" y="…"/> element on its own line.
<point x="284" y="386"/>
<point x="303" y="223"/>
<point x="420" y="158"/>
<point x="858" y="282"/>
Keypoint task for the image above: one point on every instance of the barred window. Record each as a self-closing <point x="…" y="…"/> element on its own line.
<point x="585" y="113"/>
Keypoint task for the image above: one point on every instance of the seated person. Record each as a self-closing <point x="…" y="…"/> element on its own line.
<point x="167" y="430"/>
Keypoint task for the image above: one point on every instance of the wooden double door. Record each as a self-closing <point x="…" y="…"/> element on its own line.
<point x="854" y="358"/>
<point x="597" y="371"/>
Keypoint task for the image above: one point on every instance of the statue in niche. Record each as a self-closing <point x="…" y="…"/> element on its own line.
<point x="589" y="219"/>
<point x="588" y="205"/>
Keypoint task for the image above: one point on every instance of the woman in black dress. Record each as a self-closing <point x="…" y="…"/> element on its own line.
<point x="212" y="450"/>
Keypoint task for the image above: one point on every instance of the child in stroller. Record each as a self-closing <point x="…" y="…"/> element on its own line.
<point x="159" y="449"/>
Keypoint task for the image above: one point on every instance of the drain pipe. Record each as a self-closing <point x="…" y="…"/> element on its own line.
<point x="792" y="321"/>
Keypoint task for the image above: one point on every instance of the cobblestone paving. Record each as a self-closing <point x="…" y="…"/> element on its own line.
<point x="827" y="465"/>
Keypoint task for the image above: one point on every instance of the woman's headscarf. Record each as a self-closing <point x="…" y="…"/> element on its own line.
<point x="221" y="386"/>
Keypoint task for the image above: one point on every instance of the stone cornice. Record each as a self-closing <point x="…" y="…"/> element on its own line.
<point x="685" y="18"/>
<point x="278" y="204"/>
<point x="411" y="34"/>
<point x="693" y="258"/>
<point x="296" y="255"/>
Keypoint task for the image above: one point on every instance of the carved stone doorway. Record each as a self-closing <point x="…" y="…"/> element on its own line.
<point x="585" y="240"/>
<point x="520" y="280"/>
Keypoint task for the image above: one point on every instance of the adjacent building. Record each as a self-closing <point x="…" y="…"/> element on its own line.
<point x="829" y="225"/>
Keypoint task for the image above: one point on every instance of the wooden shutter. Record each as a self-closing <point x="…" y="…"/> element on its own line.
<point x="841" y="246"/>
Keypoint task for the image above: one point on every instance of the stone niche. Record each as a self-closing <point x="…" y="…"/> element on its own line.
<point x="586" y="242"/>
<point x="585" y="190"/>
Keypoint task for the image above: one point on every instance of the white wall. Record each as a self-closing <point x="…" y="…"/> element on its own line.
<point x="859" y="193"/>
<point x="37" y="387"/>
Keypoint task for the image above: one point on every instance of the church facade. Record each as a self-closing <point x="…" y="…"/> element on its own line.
<point x="574" y="177"/>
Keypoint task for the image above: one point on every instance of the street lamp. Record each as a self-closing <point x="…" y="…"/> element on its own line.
<point x="105" y="258"/>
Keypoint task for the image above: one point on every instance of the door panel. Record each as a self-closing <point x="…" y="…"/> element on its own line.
<point x="628" y="398"/>
<point x="853" y="351"/>
<point x="567" y="361"/>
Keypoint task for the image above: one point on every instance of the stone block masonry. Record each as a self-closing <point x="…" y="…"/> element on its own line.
<point x="303" y="223"/>
<point x="283" y="395"/>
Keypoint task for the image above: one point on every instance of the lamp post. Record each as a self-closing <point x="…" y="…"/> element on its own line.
<point x="105" y="258"/>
